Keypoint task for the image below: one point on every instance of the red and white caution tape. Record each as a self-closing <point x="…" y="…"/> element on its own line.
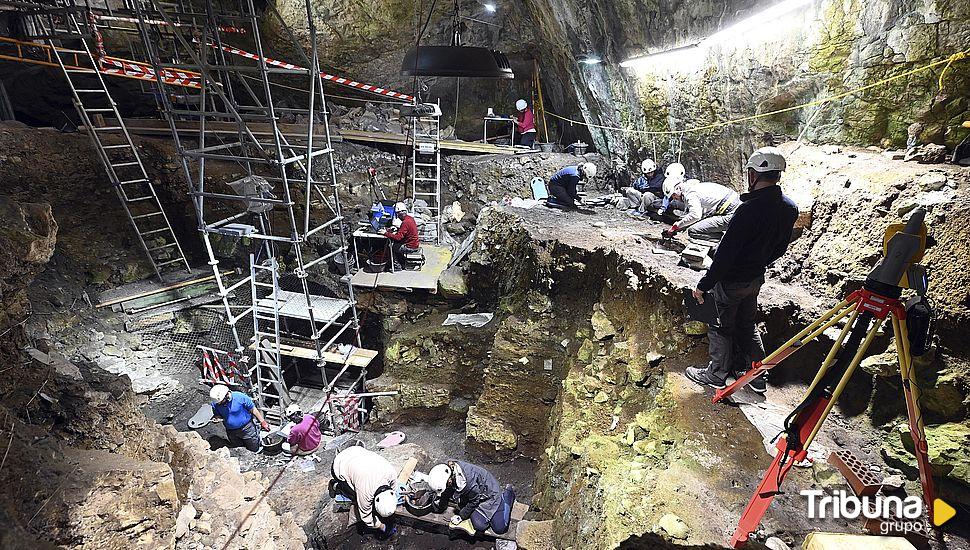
<point x="143" y="71"/>
<point x="326" y="76"/>
<point x="222" y="28"/>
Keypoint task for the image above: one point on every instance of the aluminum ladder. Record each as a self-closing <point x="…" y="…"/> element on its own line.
<point x="267" y="371"/>
<point x="426" y="169"/>
<point x="119" y="157"/>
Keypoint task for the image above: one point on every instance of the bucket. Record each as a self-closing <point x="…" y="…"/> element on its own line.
<point x="272" y="444"/>
<point x="547" y="147"/>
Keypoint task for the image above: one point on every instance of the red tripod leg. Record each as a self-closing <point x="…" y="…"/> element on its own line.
<point x="803" y="424"/>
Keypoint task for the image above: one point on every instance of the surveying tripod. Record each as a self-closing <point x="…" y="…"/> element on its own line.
<point x="867" y="309"/>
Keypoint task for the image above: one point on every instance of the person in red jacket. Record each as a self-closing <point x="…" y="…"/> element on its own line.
<point x="525" y="124"/>
<point x="405" y="239"/>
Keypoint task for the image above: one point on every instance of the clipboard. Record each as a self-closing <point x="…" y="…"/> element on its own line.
<point x="706" y="312"/>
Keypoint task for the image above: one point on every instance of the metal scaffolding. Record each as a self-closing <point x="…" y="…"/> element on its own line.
<point x="51" y="24"/>
<point x="286" y="197"/>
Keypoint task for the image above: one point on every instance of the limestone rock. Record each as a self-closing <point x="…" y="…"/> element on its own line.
<point x="452" y="283"/>
<point x="490" y="432"/>
<point x="932" y="181"/>
<point x="949" y="449"/>
<point x="535" y="535"/>
<point x="186" y="515"/>
<point x="775" y="543"/>
<point x="695" y="328"/>
<point x="673" y="526"/>
<point x="602" y="326"/>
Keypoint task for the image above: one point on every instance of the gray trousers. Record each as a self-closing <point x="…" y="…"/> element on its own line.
<point x="639" y="200"/>
<point x="737" y="305"/>
<point x="247" y="436"/>
<point x="711" y="228"/>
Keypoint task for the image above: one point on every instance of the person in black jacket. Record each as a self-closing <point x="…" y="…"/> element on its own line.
<point x="482" y="503"/>
<point x="758" y="235"/>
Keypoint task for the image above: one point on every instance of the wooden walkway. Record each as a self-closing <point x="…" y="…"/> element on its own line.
<point x="296" y="132"/>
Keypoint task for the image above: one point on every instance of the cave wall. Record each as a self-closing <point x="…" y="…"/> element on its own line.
<point x="823" y="50"/>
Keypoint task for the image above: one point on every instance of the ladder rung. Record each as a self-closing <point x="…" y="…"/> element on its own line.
<point x="427" y="194"/>
<point x="106" y="128"/>
<point x="425" y="179"/>
<point x="150" y="214"/>
<point x="85" y="71"/>
<point x="175" y="261"/>
<point x="91" y="91"/>
<point x="425" y="165"/>
<point x="139" y="199"/>
<point x="169" y="245"/>
<point x="153" y="231"/>
<point x="123" y="164"/>
<point x="133" y="181"/>
<point x="99" y="110"/>
<point x="121" y="146"/>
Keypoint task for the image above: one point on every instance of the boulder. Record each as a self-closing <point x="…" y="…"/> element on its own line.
<point x="949" y="449"/>
<point x="602" y="326"/>
<point x="452" y="283"/>
<point x="490" y="432"/>
<point x="673" y="526"/>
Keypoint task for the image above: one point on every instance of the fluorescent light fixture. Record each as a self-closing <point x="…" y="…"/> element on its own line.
<point x="665" y="55"/>
<point x="490" y="8"/>
<point x="682" y="53"/>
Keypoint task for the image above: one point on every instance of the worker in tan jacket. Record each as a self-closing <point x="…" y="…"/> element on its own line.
<point x="370" y="480"/>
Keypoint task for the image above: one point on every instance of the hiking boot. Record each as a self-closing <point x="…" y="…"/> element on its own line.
<point x="699" y="375"/>
<point x="760" y="384"/>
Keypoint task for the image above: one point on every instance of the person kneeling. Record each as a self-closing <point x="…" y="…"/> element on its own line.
<point x="371" y="481"/>
<point x="302" y="432"/>
<point x="482" y="504"/>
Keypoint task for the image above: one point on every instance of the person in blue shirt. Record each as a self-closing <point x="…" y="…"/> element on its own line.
<point x="237" y="410"/>
<point x="563" y="192"/>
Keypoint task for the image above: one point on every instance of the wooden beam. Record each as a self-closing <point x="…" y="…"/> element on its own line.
<point x="159" y="290"/>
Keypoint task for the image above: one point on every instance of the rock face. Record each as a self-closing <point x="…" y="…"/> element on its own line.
<point x="27" y="235"/>
<point x="813" y="53"/>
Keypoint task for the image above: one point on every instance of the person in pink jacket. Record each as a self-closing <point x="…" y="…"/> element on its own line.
<point x="525" y="124"/>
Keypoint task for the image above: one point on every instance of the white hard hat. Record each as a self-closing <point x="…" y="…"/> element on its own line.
<point x="648" y="165"/>
<point x="438" y="477"/>
<point x="767" y="159"/>
<point x="589" y="169"/>
<point x="218" y="393"/>
<point x="400" y="207"/>
<point x="675" y="169"/>
<point x="521" y="105"/>
<point x="293" y="410"/>
<point x="672" y="184"/>
<point x="385" y="503"/>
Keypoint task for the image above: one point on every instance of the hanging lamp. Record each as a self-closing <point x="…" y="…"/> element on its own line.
<point x="456" y="59"/>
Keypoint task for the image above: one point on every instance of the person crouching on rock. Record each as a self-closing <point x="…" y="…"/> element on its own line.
<point x="371" y="481"/>
<point x="482" y="503"/>
<point x="236" y="410"/>
<point x="405" y="240"/>
<point x="302" y="432"/>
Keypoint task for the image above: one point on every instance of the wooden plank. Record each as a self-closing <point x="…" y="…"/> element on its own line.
<point x="158" y="290"/>
<point x="360" y="357"/>
<point x="407" y="470"/>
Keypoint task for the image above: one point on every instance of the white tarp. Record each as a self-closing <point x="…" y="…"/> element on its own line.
<point x="468" y="319"/>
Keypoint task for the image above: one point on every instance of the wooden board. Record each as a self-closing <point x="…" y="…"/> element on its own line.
<point x="436" y="260"/>
<point x="407" y="470"/>
<point x="296" y="133"/>
<point x="360" y="357"/>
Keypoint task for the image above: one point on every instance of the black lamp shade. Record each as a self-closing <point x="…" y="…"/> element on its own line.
<point x="460" y="61"/>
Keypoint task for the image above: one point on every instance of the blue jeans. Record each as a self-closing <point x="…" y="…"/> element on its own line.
<point x="500" y="519"/>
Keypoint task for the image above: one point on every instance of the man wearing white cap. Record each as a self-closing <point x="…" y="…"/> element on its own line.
<point x="370" y="480"/>
<point x="237" y="410"/>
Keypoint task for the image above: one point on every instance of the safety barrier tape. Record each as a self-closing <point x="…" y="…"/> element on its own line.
<point x="142" y="71"/>
<point x="959" y="56"/>
<point x="326" y="76"/>
<point x="222" y="28"/>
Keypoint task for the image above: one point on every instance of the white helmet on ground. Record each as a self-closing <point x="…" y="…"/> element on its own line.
<point x="385" y="503"/>
<point x="293" y="410"/>
<point x="521" y="104"/>
<point x="647" y="166"/>
<point x="589" y="170"/>
<point x="401" y="207"/>
<point x="672" y="185"/>
<point x="218" y="393"/>
<point x="676" y="169"/>
<point x="767" y="159"/>
<point x="438" y="477"/>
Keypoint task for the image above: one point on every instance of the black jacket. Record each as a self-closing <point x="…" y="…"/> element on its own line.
<point x="758" y="235"/>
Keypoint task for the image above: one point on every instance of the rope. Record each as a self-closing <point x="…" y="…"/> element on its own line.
<point x="948" y="61"/>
